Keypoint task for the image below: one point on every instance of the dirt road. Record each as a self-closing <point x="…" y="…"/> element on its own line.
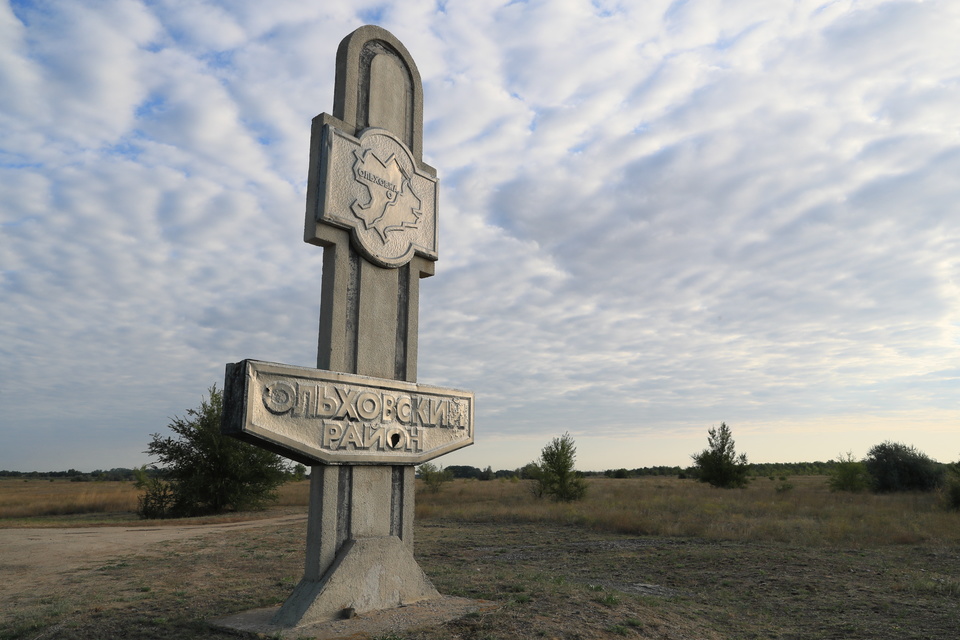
<point x="34" y="559"/>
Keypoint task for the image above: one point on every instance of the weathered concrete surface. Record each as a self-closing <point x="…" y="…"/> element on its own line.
<point x="428" y="613"/>
<point x="368" y="574"/>
<point x="316" y="416"/>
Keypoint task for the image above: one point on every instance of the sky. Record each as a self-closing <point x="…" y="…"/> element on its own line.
<point x="655" y="216"/>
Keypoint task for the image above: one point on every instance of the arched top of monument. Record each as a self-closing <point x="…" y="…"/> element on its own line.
<point x="378" y="85"/>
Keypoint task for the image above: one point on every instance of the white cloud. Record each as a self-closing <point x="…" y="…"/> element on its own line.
<point x="654" y="216"/>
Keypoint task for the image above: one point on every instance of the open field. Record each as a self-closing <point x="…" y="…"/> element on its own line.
<point x="642" y="558"/>
<point x="808" y="513"/>
<point x="43" y="503"/>
<point x="798" y="510"/>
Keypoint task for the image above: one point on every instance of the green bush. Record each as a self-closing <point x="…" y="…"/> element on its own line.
<point x="952" y="487"/>
<point x="554" y="472"/>
<point x="718" y="464"/>
<point x="157" y="498"/>
<point x="849" y="474"/>
<point x="898" y="467"/>
<point x="204" y="472"/>
<point x="784" y="487"/>
<point x="434" y="477"/>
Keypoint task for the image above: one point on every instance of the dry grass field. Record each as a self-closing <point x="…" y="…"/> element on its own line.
<point x="36" y="498"/>
<point x="36" y="502"/>
<point x="799" y="510"/>
<point x="638" y="558"/>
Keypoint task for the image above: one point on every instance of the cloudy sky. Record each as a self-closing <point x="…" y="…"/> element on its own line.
<point x="655" y="216"/>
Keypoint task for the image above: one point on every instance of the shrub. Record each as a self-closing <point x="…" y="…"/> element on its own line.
<point x="556" y="476"/>
<point x="532" y="471"/>
<point x="718" y="464"/>
<point x="952" y="488"/>
<point x="434" y="477"/>
<point x="205" y="472"/>
<point x="157" y="498"/>
<point x="849" y="474"/>
<point x="898" y="467"/>
<point x="784" y="487"/>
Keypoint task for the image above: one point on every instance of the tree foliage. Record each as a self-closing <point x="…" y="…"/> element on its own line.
<point x="464" y="471"/>
<point x="554" y="474"/>
<point x="952" y="487"/>
<point x="434" y="477"/>
<point x="204" y="472"/>
<point x="718" y="464"/>
<point x="894" y="466"/>
<point x="849" y="474"/>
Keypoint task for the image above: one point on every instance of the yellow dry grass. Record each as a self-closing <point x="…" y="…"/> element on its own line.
<point x="294" y="494"/>
<point x="36" y="498"/>
<point x="31" y="498"/>
<point x="807" y="514"/>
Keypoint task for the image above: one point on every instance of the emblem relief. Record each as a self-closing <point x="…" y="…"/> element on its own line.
<point x="375" y="188"/>
<point x="392" y="204"/>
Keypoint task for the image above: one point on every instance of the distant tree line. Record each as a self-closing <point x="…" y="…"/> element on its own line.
<point x="474" y="473"/>
<point x="120" y="474"/>
<point x="760" y="470"/>
<point x="113" y="475"/>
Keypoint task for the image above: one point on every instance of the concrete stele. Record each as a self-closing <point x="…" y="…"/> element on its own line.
<point x="360" y="527"/>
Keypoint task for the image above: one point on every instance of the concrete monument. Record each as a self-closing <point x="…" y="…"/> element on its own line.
<point x="360" y="420"/>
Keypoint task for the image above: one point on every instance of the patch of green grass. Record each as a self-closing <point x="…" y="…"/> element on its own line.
<point x="24" y="624"/>
<point x="934" y="585"/>
<point x="609" y="600"/>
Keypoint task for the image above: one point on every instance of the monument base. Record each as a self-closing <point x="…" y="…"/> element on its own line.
<point x="368" y="574"/>
<point x="426" y="613"/>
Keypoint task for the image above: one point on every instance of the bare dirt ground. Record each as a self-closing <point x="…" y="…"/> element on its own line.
<point x="549" y="581"/>
<point x="144" y="581"/>
<point x="37" y="559"/>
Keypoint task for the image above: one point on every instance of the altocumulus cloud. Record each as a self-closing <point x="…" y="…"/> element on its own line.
<point x="654" y="216"/>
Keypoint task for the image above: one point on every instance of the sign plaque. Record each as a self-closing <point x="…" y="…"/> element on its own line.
<point x="325" y="417"/>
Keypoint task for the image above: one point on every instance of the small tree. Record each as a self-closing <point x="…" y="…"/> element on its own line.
<point x="849" y="474"/>
<point x="204" y="472"/>
<point x="898" y="467"/>
<point x="299" y="473"/>
<point x="434" y="477"/>
<point x="952" y="486"/>
<point x="718" y="464"/>
<point x="555" y="475"/>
